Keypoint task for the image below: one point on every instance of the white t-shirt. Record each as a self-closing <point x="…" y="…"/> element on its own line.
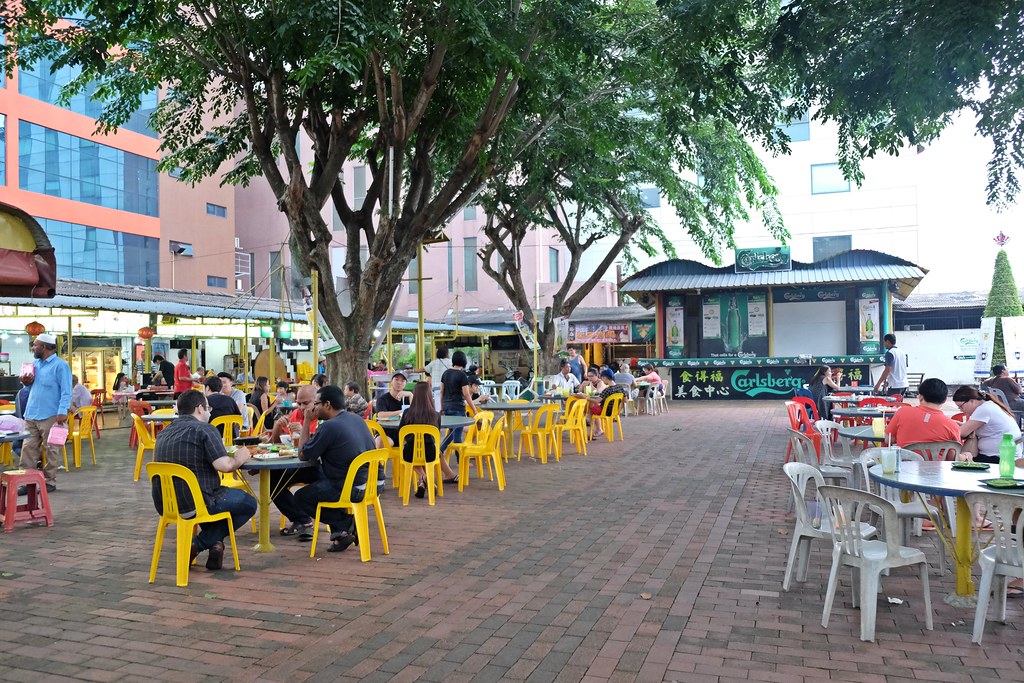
<point x="436" y="368"/>
<point x="896" y="361"/>
<point x="996" y="423"/>
<point x="560" y="381"/>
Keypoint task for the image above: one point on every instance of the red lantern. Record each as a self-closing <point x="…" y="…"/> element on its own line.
<point x="146" y="332"/>
<point x="34" y="329"/>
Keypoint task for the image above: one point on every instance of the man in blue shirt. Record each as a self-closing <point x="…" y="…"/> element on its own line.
<point x="47" y="405"/>
<point x="575" y="363"/>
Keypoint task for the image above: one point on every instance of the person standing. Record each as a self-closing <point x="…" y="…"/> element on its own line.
<point x="895" y="374"/>
<point x="182" y="374"/>
<point x="436" y="370"/>
<point x="575" y="363"/>
<point x="456" y="396"/>
<point x="166" y="370"/>
<point x="47" y="405"/>
<point x="190" y="441"/>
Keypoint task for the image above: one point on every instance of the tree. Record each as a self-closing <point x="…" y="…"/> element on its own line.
<point x="895" y="72"/>
<point x="666" y="117"/>
<point x="419" y="91"/>
<point x="1003" y="300"/>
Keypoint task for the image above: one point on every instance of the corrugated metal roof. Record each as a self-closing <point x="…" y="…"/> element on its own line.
<point x="947" y="300"/>
<point x="586" y="314"/>
<point x="852" y="266"/>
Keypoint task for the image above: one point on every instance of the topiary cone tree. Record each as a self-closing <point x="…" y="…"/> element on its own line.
<point x="1003" y="299"/>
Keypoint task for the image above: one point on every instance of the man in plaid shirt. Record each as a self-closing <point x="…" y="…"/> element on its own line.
<point x="192" y="442"/>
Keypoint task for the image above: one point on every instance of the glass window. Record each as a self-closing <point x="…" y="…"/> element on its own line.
<point x="827" y="179"/>
<point x="451" y="266"/>
<point x="469" y="262"/>
<point x="358" y="186"/>
<point x="469" y="213"/>
<point x="84" y="252"/>
<point x="216" y="210"/>
<point x="553" y="269"/>
<point x="827" y="247"/>
<point x="275" y="275"/>
<point x="414" y="284"/>
<point x="214" y="281"/>
<point x="62" y="165"/>
<point x="650" y="197"/>
<point x="39" y="83"/>
<point x="799" y="129"/>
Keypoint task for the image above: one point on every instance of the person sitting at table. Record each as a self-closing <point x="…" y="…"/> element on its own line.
<point x="925" y="422"/>
<point x="597" y="402"/>
<point x="80" y="396"/>
<point x="319" y="381"/>
<point x="390" y="405"/>
<point x="282" y="480"/>
<point x="354" y="402"/>
<point x="220" y="405"/>
<point x="341" y="438"/>
<point x="988" y="419"/>
<point x="192" y="442"/>
<point x="1002" y="381"/>
<point x="260" y="395"/>
<point x="822" y="383"/>
<point x="422" y="412"/>
<point x="564" y="379"/>
<point x="476" y="391"/>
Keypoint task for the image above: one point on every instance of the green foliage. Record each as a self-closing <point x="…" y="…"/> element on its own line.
<point x="1003" y="301"/>
<point x="895" y="72"/>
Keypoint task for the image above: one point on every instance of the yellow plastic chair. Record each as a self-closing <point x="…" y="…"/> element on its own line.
<point x="155" y="427"/>
<point x="489" y="451"/>
<point x="84" y="431"/>
<point x="513" y="424"/>
<point x="259" y="427"/>
<point x="419" y="459"/>
<point x="574" y="422"/>
<point x="475" y="434"/>
<point x="252" y="419"/>
<point x="146" y="443"/>
<point x="609" y="417"/>
<point x="8" y="409"/>
<point x="543" y="429"/>
<point x="373" y="460"/>
<point x="394" y="453"/>
<point x="166" y="473"/>
<point x="227" y="424"/>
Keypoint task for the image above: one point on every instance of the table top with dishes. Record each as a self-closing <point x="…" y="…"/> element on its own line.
<point x="948" y="478"/>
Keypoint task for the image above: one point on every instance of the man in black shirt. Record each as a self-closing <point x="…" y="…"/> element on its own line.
<point x="220" y="404"/>
<point x="192" y="442"/>
<point x="340" y="439"/>
<point x="390" y="404"/>
<point x="166" y="369"/>
<point x="455" y="396"/>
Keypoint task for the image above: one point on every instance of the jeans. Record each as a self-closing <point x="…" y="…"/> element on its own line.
<point x="240" y="504"/>
<point x="325" y="491"/>
<point x="282" y="496"/>
<point x="456" y="433"/>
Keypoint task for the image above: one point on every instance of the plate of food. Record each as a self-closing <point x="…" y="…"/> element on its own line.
<point x="976" y="466"/>
<point x="1002" y="483"/>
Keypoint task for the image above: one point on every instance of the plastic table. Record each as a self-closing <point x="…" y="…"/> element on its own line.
<point x="264" y="466"/>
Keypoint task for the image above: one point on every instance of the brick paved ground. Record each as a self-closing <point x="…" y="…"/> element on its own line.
<point x="544" y="582"/>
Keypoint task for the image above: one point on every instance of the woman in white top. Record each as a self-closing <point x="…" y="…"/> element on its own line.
<point x="987" y="421"/>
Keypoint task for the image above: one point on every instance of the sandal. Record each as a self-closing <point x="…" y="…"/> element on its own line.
<point x="341" y="542"/>
<point x="452" y="480"/>
<point x="297" y="528"/>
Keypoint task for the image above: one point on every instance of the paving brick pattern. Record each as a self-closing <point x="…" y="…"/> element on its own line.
<point x="660" y="558"/>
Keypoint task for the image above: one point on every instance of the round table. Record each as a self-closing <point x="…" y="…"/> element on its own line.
<point x="447" y="421"/>
<point x="168" y="417"/>
<point x="859" y="389"/>
<point x="504" y="407"/>
<point x="832" y="398"/>
<point x="938" y="478"/>
<point x="862" y="433"/>
<point x="866" y="412"/>
<point x="6" y="448"/>
<point x="264" y="466"/>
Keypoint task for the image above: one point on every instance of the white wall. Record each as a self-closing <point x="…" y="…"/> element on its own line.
<point x="817" y="328"/>
<point x="932" y="351"/>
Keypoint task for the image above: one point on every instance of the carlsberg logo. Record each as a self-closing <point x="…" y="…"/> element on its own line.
<point x="757" y="382"/>
<point x="753" y="260"/>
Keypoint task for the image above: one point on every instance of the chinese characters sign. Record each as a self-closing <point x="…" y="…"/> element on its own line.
<point x="752" y="382"/>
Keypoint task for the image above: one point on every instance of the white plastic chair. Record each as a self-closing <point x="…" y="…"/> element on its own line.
<point x="656" y="402"/>
<point x="1003" y="557"/>
<point x="809" y="525"/>
<point x="803" y="447"/>
<point x="868" y="558"/>
<point x="829" y="430"/>
<point x="510" y="389"/>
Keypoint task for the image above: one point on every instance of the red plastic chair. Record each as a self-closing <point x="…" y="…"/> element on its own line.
<point x="98" y="397"/>
<point x="800" y="422"/>
<point x="959" y="417"/>
<point x="809" y="406"/>
<point x="139" y="408"/>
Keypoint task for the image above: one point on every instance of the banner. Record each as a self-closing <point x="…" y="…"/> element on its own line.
<point x="327" y="344"/>
<point x="869" y="329"/>
<point x="1013" y="342"/>
<point x="643" y="332"/>
<point x="561" y="334"/>
<point x="734" y="325"/>
<point x="983" y="362"/>
<point x="525" y="332"/>
<point x="599" y="333"/>
<point x="753" y="382"/>
<point x="675" y="322"/>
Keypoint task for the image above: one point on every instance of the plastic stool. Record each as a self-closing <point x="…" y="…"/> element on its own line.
<point x="38" y="505"/>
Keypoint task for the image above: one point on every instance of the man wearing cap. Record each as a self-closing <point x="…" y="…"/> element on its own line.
<point x="611" y="388"/>
<point x="47" y="405"/>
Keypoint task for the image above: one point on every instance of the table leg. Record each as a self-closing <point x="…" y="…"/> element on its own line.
<point x="264" y="545"/>
<point x="964" y="556"/>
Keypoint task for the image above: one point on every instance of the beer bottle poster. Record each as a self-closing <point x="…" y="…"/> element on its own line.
<point x="734" y="324"/>
<point x="675" y="318"/>
<point x="869" y="325"/>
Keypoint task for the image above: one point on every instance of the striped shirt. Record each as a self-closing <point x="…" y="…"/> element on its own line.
<point x="194" y="444"/>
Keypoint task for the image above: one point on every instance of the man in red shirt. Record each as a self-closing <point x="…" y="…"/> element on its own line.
<point x="925" y="422"/>
<point x="182" y="374"/>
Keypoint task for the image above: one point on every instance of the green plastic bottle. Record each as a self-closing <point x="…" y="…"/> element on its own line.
<point x="1007" y="457"/>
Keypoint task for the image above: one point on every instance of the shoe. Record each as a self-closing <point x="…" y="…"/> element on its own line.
<point x="305" y="537"/>
<point x="193" y="553"/>
<point x="216" y="559"/>
<point x="341" y="542"/>
<point x="50" y="488"/>
<point x="1015" y="591"/>
<point x="297" y="528"/>
<point x="453" y="480"/>
<point x="421" y="490"/>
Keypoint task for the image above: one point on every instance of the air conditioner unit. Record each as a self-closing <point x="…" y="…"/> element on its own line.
<point x="238" y="243"/>
<point x="913" y="328"/>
